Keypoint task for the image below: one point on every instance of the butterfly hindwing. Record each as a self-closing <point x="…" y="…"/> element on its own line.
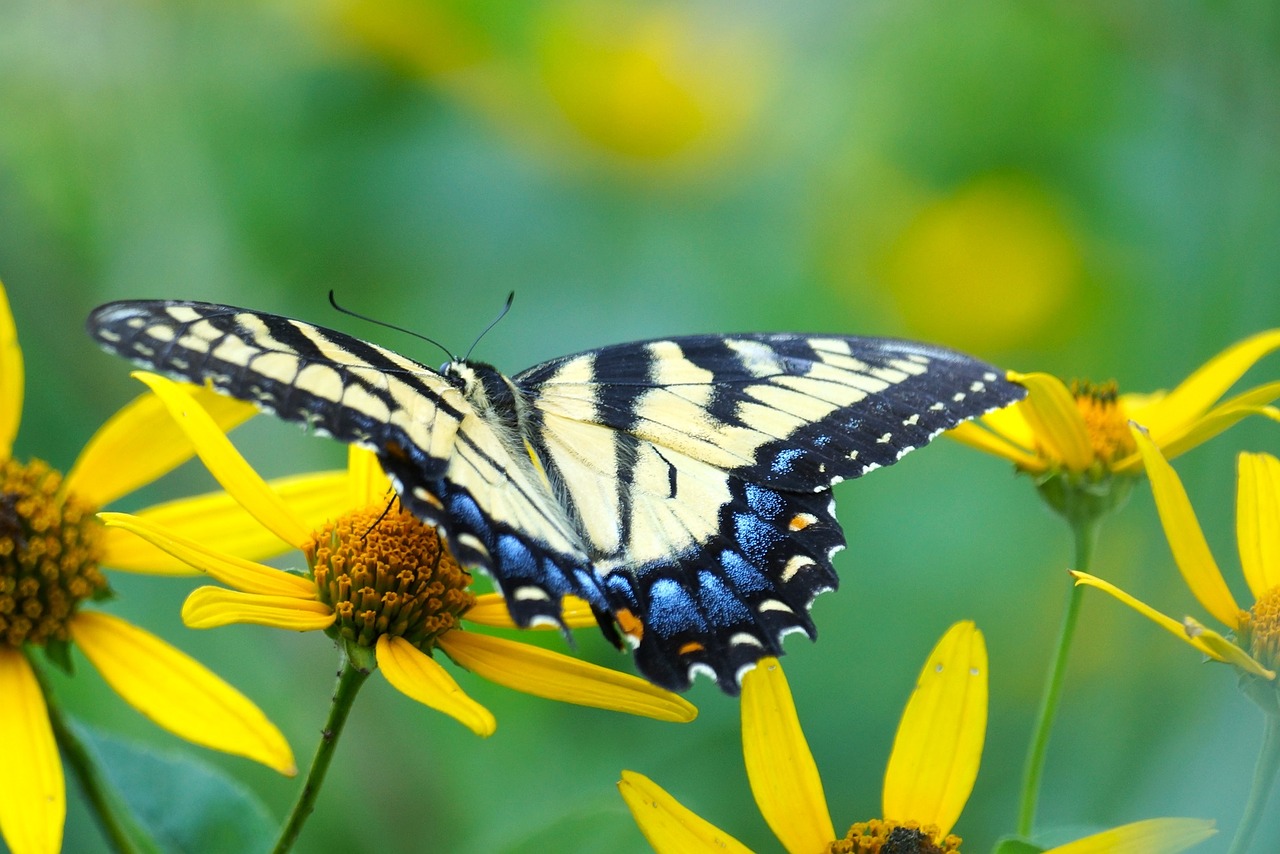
<point x="712" y="457"/>
<point x="680" y="486"/>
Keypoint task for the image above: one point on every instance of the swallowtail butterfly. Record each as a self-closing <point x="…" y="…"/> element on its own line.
<point x="681" y="486"/>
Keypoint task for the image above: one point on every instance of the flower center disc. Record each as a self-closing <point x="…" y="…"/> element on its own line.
<point x="1104" y="420"/>
<point x="50" y="545"/>
<point x="890" y="837"/>
<point x="386" y="573"/>
<point x="1263" y="629"/>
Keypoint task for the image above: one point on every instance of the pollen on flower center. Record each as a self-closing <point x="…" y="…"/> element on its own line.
<point x="1260" y="633"/>
<point x="50" y="545"/>
<point x="386" y="573"/>
<point x="1105" y="420"/>
<point x="891" y="837"/>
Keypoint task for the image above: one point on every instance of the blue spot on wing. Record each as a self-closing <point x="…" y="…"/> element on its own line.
<point x="743" y="575"/>
<point x="764" y="502"/>
<point x="721" y="604"/>
<point x="672" y="609"/>
<point x="784" y="460"/>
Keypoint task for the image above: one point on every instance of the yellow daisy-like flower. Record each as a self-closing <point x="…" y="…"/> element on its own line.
<point x="51" y="547"/>
<point x="1083" y="430"/>
<point x="931" y="772"/>
<point x="1254" y="641"/>
<point x="378" y="579"/>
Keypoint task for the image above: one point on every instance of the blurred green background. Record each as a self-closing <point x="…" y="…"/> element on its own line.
<point x="1087" y="188"/>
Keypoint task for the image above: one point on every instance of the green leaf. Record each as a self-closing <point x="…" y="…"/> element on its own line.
<point x="180" y="801"/>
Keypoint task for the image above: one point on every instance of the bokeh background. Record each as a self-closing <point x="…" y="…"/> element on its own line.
<point x="1086" y="188"/>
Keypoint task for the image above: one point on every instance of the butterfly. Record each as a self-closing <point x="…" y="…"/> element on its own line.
<point x="681" y="486"/>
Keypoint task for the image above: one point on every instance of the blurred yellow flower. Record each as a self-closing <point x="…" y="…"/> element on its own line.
<point x="378" y="579"/>
<point x="648" y="83"/>
<point x="51" y="546"/>
<point x="987" y="267"/>
<point x="1083" y="430"/>
<point x="643" y="85"/>
<point x="1254" y="642"/>
<point x="931" y="772"/>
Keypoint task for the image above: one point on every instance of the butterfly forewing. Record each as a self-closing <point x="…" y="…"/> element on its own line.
<point x="681" y="485"/>
<point x="450" y="466"/>
<point x="339" y="385"/>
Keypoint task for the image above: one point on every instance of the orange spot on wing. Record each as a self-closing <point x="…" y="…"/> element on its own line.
<point x="629" y="624"/>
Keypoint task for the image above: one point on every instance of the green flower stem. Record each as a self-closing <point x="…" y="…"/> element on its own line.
<point x="1086" y="532"/>
<point x="350" y="678"/>
<point x="1264" y="777"/>
<point x="117" y="825"/>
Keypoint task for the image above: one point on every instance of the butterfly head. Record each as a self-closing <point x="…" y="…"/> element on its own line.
<point x="486" y="388"/>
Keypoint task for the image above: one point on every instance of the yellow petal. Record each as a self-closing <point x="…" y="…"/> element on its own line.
<point x="10" y="384"/>
<point x="1223" y="649"/>
<point x="1186" y="540"/>
<point x="212" y="607"/>
<point x="1258" y="521"/>
<point x="140" y="443"/>
<point x="1184" y="435"/>
<point x="177" y="692"/>
<point x="1011" y="424"/>
<point x="419" y="677"/>
<point x="1051" y="411"/>
<point x="241" y="574"/>
<point x="938" y="747"/>
<point x="558" y="677"/>
<point x="33" y="802"/>
<point x="225" y="463"/>
<point x="491" y="610"/>
<point x="217" y="517"/>
<point x="1205" y="386"/>
<point x="1165" y="835"/>
<point x="366" y="483"/>
<point x="780" y="768"/>
<point x="974" y="435"/>
<point x="670" y="827"/>
<point x="1169" y="624"/>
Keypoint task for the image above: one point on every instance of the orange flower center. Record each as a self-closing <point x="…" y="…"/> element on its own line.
<point x="890" y="837"/>
<point x="50" y="545"/>
<point x="386" y="573"/>
<point x="1260" y="630"/>
<point x="1104" y="419"/>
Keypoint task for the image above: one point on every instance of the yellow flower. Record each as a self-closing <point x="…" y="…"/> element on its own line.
<point x="380" y="579"/>
<point x="1254" y="641"/>
<point x="1084" y="430"/>
<point x="931" y="772"/>
<point x="51" y="546"/>
<point x="992" y="265"/>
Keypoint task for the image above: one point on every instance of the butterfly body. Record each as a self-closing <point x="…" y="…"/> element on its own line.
<point x="681" y="486"/>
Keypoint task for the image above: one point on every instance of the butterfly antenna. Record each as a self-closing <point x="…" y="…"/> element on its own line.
<point x="505" y="308"/>
<point x="333" y="301"/>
